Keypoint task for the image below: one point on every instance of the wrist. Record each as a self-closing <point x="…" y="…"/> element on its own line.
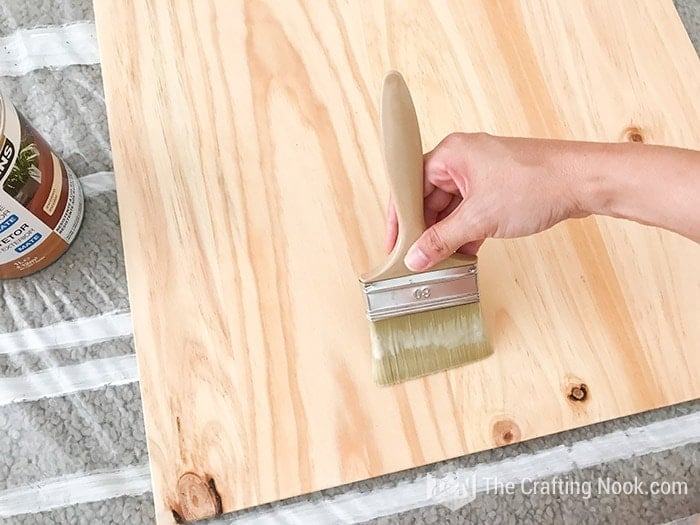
<point x="590" y="176"/>
<point x="649" y="184"/>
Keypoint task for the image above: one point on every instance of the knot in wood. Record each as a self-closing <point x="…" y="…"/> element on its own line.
<point x="505" y="431"/>
<point x="634" y="134"/>
<point x="578" y="392"/>
<point x="198" y="498"/>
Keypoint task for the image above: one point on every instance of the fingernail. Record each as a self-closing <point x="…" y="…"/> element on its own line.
<point x="416" y="260"/>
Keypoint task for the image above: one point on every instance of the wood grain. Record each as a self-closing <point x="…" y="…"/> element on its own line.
<point x="252" y="196"/>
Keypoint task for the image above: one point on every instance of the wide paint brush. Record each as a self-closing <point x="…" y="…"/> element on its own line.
<point x="422" y="322"/>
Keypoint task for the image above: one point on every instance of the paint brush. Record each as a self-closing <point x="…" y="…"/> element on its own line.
<point x="422" y="322"/>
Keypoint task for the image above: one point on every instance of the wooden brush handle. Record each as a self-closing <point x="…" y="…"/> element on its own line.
<point x="403" y="160"/>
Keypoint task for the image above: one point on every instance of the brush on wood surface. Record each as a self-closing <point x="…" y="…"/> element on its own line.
<point x="422" y="322"/>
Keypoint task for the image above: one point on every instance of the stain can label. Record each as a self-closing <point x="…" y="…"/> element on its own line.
<point x="41" y="200"/>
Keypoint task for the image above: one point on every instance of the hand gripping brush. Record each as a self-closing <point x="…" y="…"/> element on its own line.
<point x="422" y="322"/>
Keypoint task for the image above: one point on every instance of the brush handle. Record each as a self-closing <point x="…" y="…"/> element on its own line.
<point x="403" y="161"/>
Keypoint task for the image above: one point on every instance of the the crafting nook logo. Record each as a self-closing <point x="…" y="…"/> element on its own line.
<point x="452" y="490"/>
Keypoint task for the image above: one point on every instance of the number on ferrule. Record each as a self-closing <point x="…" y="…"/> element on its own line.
<point x="421" y="293"/>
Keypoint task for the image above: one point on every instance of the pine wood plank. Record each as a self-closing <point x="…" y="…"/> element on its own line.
<point x="252" y="195"/>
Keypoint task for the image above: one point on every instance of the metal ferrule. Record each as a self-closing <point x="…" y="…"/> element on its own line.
<point x="421" y="292"/>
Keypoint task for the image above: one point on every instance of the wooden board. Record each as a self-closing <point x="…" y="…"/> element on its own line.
<point x="252" y="195"/>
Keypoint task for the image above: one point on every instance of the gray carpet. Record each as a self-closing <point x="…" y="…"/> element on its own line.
<point x="54" y="438"/>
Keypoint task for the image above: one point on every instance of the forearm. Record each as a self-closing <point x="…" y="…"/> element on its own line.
<point x="653" y="185"/>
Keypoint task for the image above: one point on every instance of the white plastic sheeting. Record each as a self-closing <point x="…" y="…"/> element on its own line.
<point x="48" y="47"/>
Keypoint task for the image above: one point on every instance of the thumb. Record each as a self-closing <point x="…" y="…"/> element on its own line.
<point x="440" y="241"/>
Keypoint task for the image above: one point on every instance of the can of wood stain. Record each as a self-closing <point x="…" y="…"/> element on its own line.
<point x="41" y="201"/>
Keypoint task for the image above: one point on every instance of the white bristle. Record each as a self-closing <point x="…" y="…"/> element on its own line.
<point x="418" y="344"/>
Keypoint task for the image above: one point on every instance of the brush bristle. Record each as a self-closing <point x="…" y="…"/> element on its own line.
<point x="414" y="345"/>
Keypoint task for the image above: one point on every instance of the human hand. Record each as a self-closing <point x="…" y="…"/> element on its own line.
<point x="478" y="186"/>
